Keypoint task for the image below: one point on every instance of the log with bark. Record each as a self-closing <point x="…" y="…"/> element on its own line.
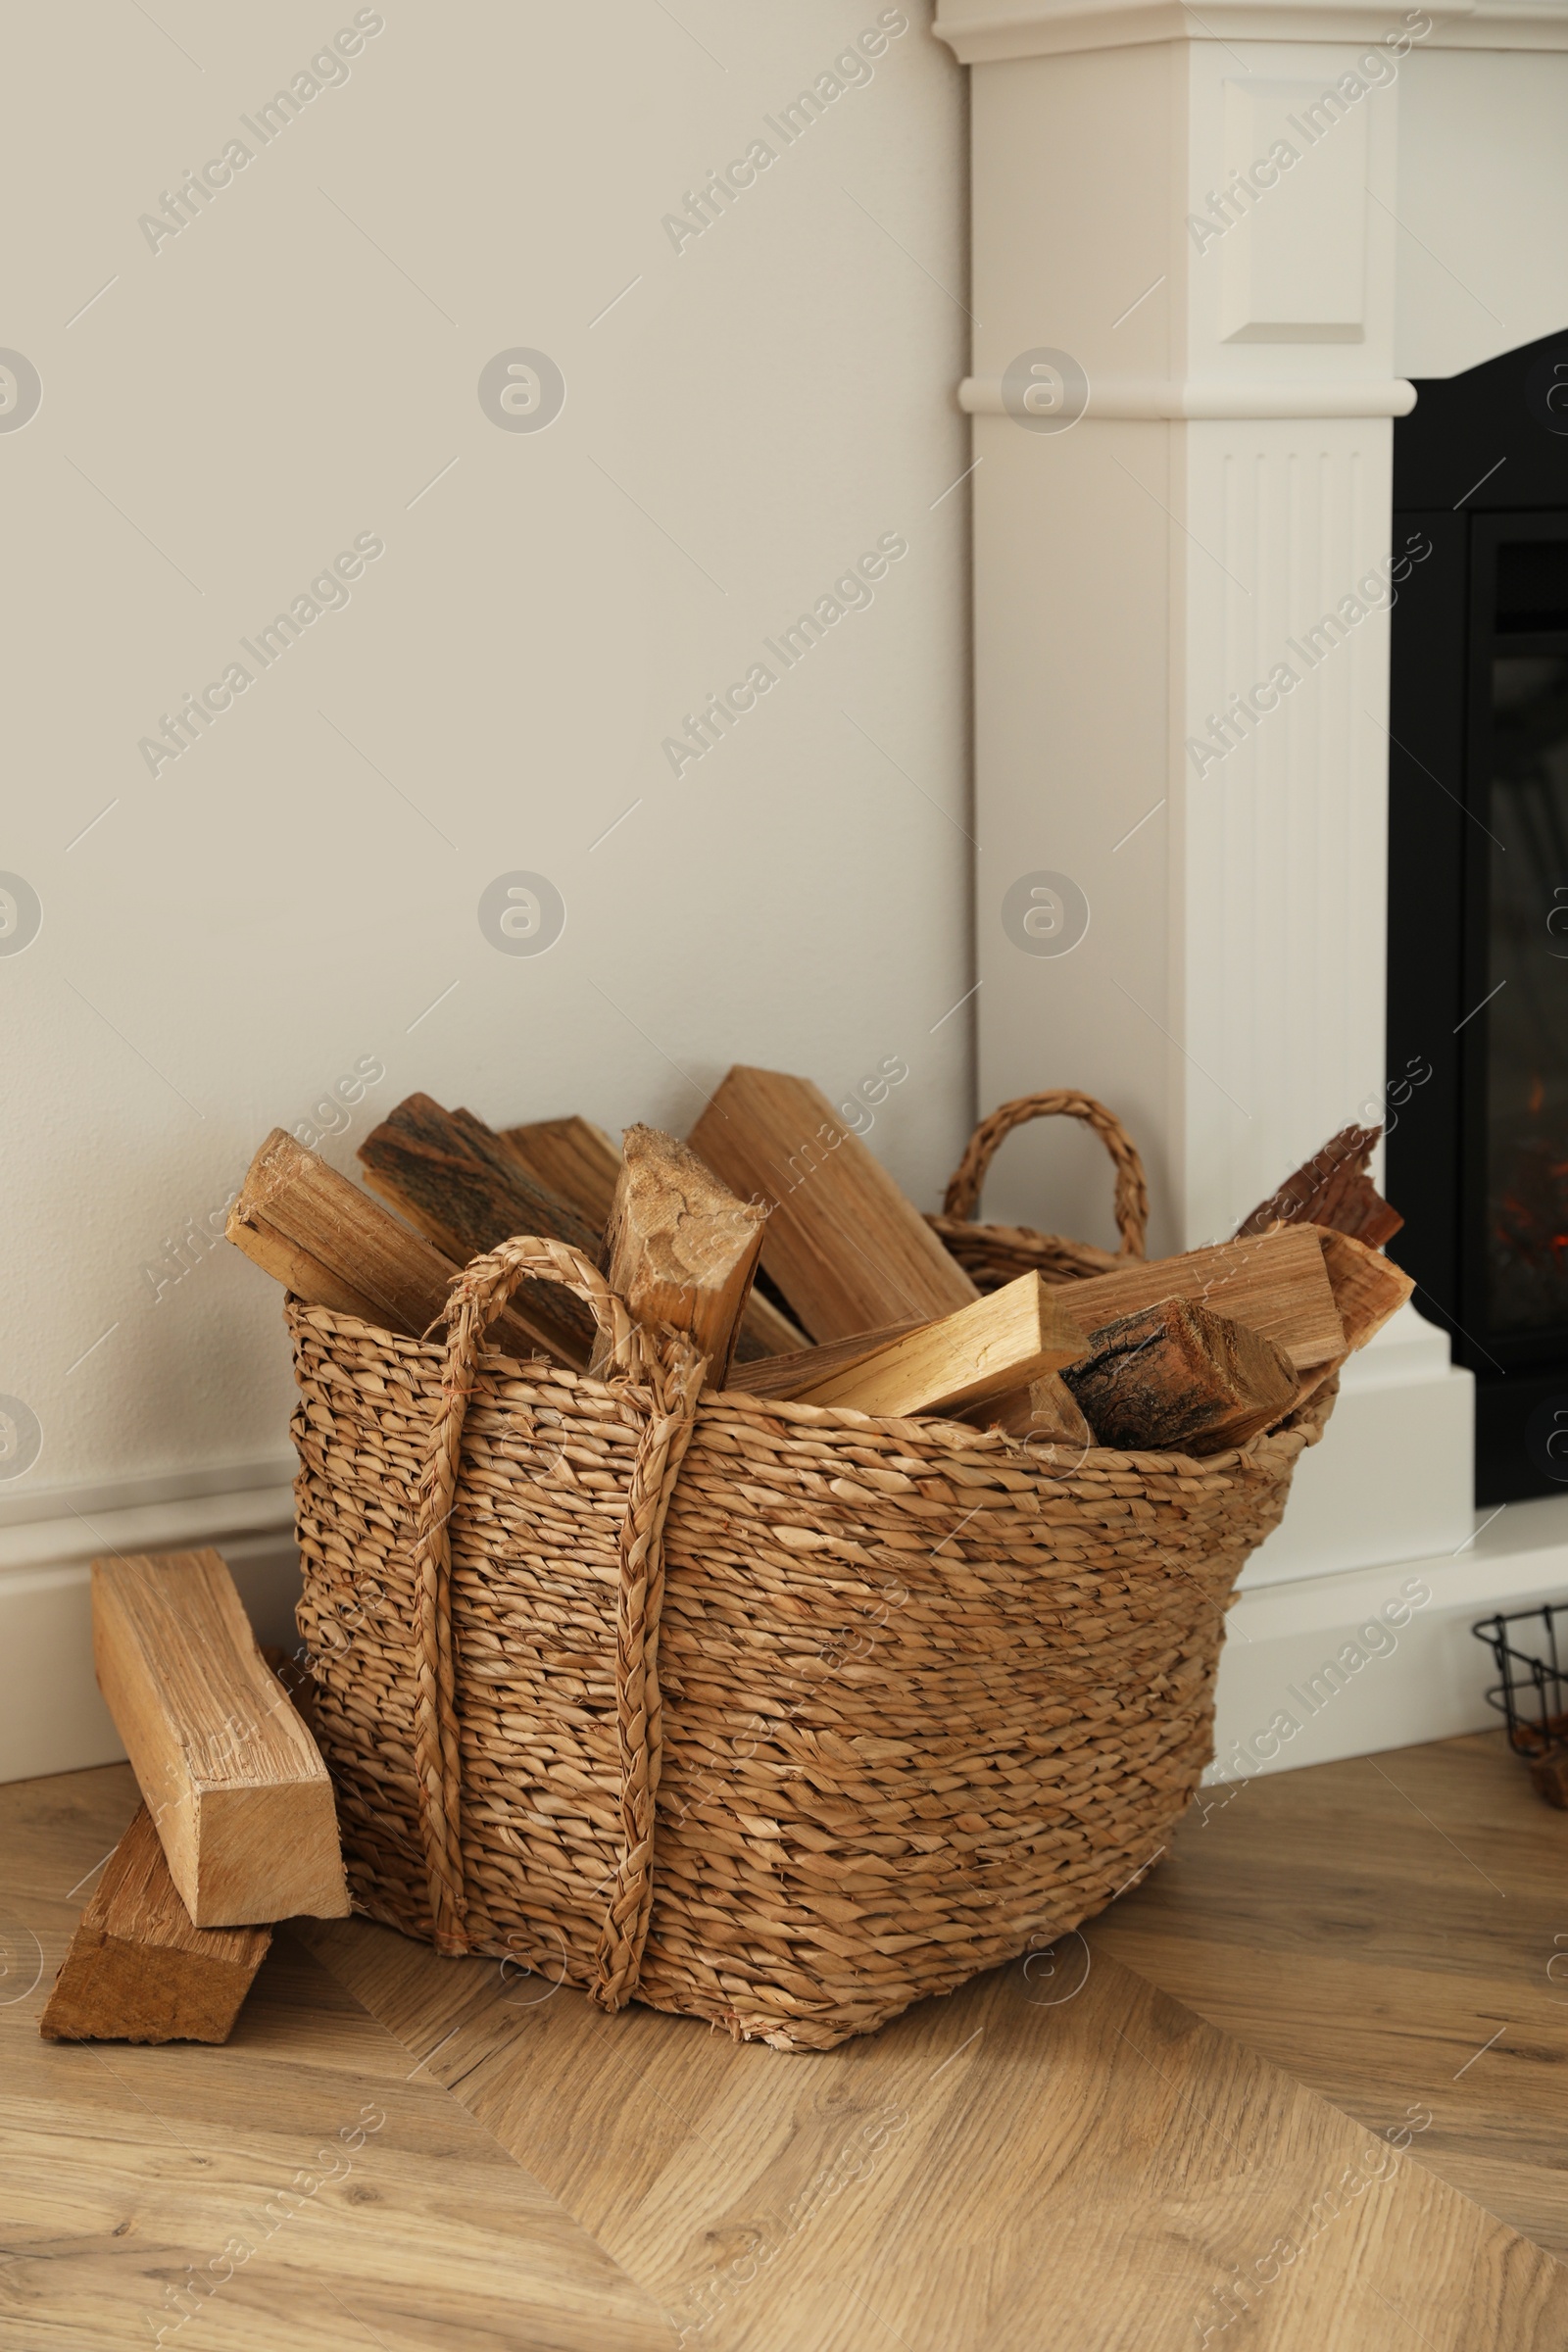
<point x="466" y="1192"/>
<point x="1175" y="1377"/>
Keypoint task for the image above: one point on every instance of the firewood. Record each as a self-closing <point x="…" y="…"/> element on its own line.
<point x="988" y="1348"/>
<point x="784" y="1375"/>
<point x="846" y="1249"/>
<point x="682" y="1249"/>
<point x="332" y="1245"/>
<point x="572" y="1158"/>
<point x="1175" y="1377"/>
<point x="1275" y="1283"/>
<point x="1548" y="1777"/>
<point x="1331" y="1189"/>
<point x="138" y="1970"/>
<point x="1367" y="1287"/>
<point x="466" y="1192"/>
<point x="236" y="1787"/>
<point x="1045" y="1409"/>
<point x="577" y="1160"/>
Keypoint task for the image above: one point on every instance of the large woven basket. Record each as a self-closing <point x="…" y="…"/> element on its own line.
<point x="770" y="1714"/>
<point x="992" y="1254"/>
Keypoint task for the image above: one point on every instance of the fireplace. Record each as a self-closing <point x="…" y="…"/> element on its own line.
<point x="1478" y="895"/>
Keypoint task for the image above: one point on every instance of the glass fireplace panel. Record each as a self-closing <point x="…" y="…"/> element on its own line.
<point x="1527" y="1056"/>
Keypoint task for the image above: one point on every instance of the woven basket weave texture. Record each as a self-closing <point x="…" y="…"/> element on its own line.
<point x="771" y="1714"/>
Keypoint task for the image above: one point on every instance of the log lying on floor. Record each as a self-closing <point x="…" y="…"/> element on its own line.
<point x="682" y="1249"/>
<point x="785" y="1375"/>
<point x="1367" y="1287"/>
<point x="1175" y="1377"/>
<point x="466" y="1190"/>
<point x="1275" y="1283"/>
<point x="235" y="1784"/>
<point x="138" y="1968"/>
<point x="1332" y="1188"/>
<point x="988" y="1348"/>
<point x="577" y="1160"/>
<point x="332" y="1245"/>
<point x="844" y="1246"/>
<point x="1046" y="1410"/>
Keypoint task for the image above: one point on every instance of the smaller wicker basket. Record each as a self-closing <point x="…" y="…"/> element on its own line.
<point x="992" y="1254"/>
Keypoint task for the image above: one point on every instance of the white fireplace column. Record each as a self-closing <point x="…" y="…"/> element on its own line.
<point x="1149" y="576"/>
<point x="1183" y="394"/>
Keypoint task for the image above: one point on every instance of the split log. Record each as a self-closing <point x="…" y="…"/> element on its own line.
<point x="682" y="1249"/>
<point x="986" y="1349"/>
<point x="236" y="1787"/>
<point x="572" y="1158"/>
<point x="784" y="1375"/>
<point x="1046" y="1411"/>
<point x="1332" y="1188"/>
<point x="138" y="1970"/>
<point x="332" y="1245"/>
<point x="1177" y="1378"/>
<point x="577" y="1160"/>
<point x="1367" y="1287"/>
<point x="466" y="1192"/>
<point x="1275" y="1283"/>
<point x="846" y="1249"/>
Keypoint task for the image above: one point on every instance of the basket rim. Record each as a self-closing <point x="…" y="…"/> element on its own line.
<point x="997" y="1442"/>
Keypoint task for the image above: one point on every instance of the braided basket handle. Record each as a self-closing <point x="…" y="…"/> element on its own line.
<point x="673" y="1368"/>
<point x="1132" y="1193"/>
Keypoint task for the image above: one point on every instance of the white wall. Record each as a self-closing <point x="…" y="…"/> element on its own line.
<point x="236" y="932"/>
<point x="1482" y="255"/>
<point x="224" y="940"/>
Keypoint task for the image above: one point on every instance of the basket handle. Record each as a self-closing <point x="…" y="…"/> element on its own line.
<point x="673" y="1368"/>
<point x="1132" y="1193"/>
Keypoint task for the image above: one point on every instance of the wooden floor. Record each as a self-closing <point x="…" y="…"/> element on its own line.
<point x="1373" y="1926"/>
<point x="1170" y="2129"/>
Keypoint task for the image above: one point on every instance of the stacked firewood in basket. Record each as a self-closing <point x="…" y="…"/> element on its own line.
<point x="804" y="1275"/>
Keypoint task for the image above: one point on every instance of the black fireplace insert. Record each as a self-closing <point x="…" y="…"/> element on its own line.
<point x="1478" y="895"/>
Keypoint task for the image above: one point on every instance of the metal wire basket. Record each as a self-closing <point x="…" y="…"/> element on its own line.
<point x="1533" y="1694"/>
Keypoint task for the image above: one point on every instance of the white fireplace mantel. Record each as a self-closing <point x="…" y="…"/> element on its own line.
<point x="986" y="32"/>
<point x="1186" y="240"/>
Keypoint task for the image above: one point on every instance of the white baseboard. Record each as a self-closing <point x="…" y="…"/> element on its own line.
<point x="1396" y="1433"/>
<point x="1314" y="1670"/>
<point x="52" y="1718"/>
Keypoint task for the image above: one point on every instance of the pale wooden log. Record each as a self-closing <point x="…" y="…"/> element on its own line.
<point x="1046" y="1409"/>
<point x="986" y="1349"/>
<point x="466" y="1192"/>
<point x="1368" y="1288"/>
<point x="782" y="1375"/>
<point x="236" y="1787"/>
<point x="682" y="1249"/>
<point x="1275" y="1283"/>
<point x="577" y="1160"/>
<point x="138" y="1968"/>
<point x="847" y="1249"/>
<point x="332" y="1245"/>
<point x="1177" y="1376"/>
<point x="574" y="1158"/>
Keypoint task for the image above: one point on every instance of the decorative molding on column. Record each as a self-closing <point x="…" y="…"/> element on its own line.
<point x="1130" y="399"/>
<point x="980" y="32"/>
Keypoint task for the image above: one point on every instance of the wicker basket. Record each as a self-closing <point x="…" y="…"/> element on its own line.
<point x="992" y="1254"/>
<point x="771" y="1714"/>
